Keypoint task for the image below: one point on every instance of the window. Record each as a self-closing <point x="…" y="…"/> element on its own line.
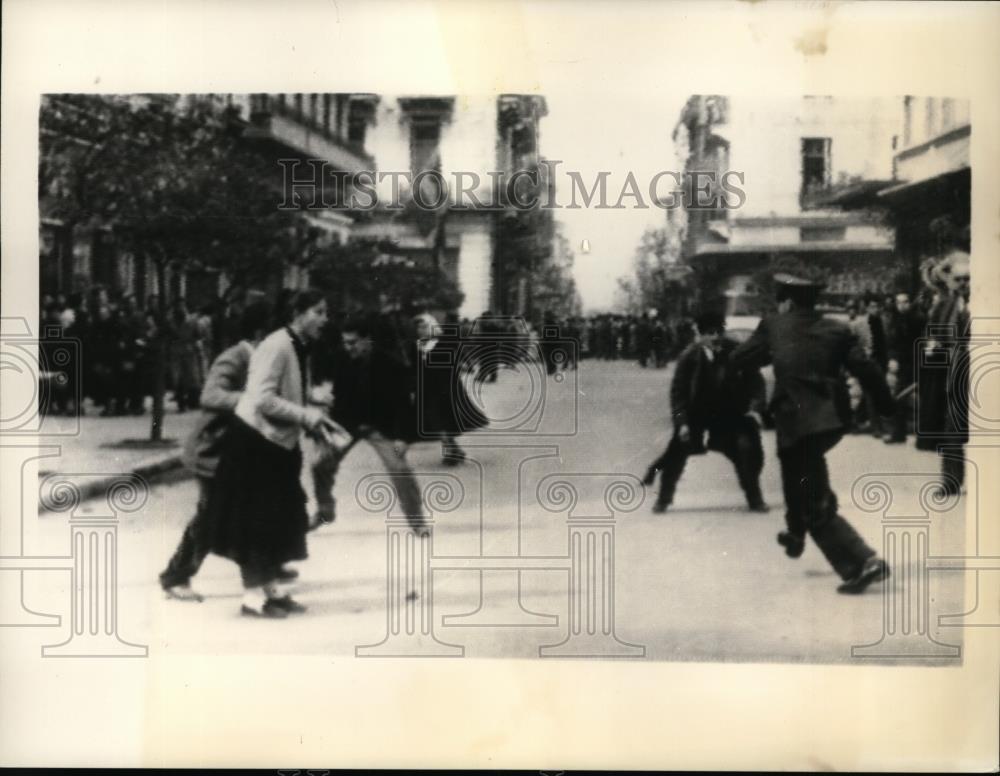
<point x="425" y="135"/>
<point x="907" y="121"/>
<point x="822" y="233"/>
<point x="298" y="106"/>
<point x="356" y="128"/>
<point x="313" y="110"/>
<point x="326" y="111"/>
<point x="815" y="163"/>
<point x="930" y="127"/>
<point x="947" y="113"/>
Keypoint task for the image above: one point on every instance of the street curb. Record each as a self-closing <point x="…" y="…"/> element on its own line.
<point x="93" y="486"/>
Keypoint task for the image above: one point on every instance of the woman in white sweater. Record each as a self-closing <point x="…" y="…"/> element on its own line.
<point x="258" y="506"/>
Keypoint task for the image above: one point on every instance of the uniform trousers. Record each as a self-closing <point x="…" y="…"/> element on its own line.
<point x="811" y="504"/>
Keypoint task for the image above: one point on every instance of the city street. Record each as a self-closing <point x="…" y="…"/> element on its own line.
<point x="704" y="582"/>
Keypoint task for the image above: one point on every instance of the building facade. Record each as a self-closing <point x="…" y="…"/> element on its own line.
<point x="792" y="155"/>
<point x="470" y="141"/>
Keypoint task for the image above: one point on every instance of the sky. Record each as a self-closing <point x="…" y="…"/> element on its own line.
<point x="618" y="132"/>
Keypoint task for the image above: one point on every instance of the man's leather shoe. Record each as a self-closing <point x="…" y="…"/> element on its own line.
<point x="873" y="570"/>
<point x="659" y="508"/>
<point x="794" y="545"/>
<point x="759" y="506"/>
<point x="650" y="477"/>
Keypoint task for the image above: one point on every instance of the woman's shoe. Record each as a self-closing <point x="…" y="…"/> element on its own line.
<point x="270" y="609"/>
<point x="287" y="604"/>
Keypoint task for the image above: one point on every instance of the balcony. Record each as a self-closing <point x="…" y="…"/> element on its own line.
<point x="287" y="124"/>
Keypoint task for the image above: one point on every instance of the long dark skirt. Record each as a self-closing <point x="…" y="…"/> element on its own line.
<point x="257" y="507"/>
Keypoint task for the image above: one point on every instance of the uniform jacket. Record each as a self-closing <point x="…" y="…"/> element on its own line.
<point x="224" y="385"/>
<point x="274" y="402"/>
<point x="809" y="353"/>
<point x="705" y="392"/>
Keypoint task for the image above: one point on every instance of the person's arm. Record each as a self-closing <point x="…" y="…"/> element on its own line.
<point x="869" y="375"/>
<point x="758" y="393"/>
<point x="226" y="380"/>
<point x="755" y="352"/>
<point x="680" y="388"/>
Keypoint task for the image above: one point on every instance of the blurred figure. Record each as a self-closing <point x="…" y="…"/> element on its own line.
<point x="906" y="327"/>
<point x="709" y="395"/>
<point x="810" y="353"/>
<point x="256" y="505"/>
<point x="223" y="389"/>
<point x="444" y="409"/>
<point x="371" y="401"/>
<point x="943" y="390"/>
<point x="185" y="358"/>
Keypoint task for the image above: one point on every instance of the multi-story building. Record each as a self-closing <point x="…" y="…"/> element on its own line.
<point x="793" y="155"/>
<point x="929" y="198"/>
<point x="471" y="141"/>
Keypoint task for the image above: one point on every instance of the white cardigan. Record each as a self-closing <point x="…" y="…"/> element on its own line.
<point x="274" y="402"/>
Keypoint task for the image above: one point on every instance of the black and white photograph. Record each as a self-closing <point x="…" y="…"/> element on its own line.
<point x="410" y="376"/>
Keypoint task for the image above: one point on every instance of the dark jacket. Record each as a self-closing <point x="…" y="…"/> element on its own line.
<point x="809" y="353"/>
<point x="372" y="394"/>
<point x="705" y="393"/>
<point x="904" y="332"/>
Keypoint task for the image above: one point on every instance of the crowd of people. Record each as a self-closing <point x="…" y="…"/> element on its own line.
<point x="919" y="345"/>
<point x="288" y="386"/>
<point x="118" y="343"/>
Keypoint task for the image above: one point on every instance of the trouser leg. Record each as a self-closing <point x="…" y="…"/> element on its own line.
<point x="193" y="547"/>
<point x="324" y="475"/>
<point x="401" y="475"/>
<point x="791" y="474"/>
<point x="671" y="467"/>
<point x="746" y="452"/>
<point x="953" y="468"/>
<point x="842" y="546"/>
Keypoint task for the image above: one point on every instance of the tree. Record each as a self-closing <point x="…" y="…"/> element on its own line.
<point x="660" y="280"/>
<point x="366" y="275"/>
<point x="177" y="185"/>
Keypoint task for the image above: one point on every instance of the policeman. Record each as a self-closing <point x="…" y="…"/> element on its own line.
<point x="810" y="407"/>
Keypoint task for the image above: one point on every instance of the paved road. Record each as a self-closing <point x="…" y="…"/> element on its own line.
<point x="704" y="582"/>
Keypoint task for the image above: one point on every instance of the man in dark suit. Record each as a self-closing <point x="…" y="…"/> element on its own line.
<point x="372" y="402"/>
<point x="811" y="408"/>
<point x="708" y="394"/>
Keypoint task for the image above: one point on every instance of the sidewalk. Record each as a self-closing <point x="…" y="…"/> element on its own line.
<point x="109" y="447"/>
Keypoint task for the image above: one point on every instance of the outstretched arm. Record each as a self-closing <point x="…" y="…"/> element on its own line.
<point x="755" y="352"/>
<point x="870" y="376"/>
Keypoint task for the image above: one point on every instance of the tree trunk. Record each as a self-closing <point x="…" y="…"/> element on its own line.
<point x="159" y="346"/>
